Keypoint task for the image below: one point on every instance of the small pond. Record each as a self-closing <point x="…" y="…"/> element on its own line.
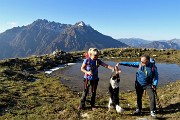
<point x="72" y="76"/>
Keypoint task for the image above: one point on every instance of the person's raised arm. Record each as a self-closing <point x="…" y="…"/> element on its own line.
<point x="107" y="66"/>
<point x="131" y="64"/>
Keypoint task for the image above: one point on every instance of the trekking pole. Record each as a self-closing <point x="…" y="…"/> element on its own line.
<point x="158" y="101"/>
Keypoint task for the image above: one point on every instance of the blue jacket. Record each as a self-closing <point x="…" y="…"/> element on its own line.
<point x="145" y="74"/>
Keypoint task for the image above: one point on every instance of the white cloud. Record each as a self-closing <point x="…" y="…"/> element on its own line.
<point x="7" y="25"/>
<point x="12" y="24"/>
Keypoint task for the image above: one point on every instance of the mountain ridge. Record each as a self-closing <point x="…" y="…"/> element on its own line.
<point x="158" y="44"/>
<point x="43" y="37"/>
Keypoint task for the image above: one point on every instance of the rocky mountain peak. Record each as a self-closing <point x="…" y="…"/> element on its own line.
<point x="43" y="36"/>
<point x="40" y="22"/>
<point x="81" y="24"/>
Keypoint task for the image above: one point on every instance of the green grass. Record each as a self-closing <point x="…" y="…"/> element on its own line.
<point x="47" y="98"/>
<point x="134" y="54"/>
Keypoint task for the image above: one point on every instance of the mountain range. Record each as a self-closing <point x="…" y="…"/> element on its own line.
<point x="161" y="44"/>
<point x="43" y="37"/>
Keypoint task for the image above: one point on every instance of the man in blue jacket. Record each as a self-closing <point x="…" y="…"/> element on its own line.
<point x="146" y="79"/>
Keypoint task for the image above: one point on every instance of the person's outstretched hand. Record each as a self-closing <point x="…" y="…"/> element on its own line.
<point x="116" y="68"/>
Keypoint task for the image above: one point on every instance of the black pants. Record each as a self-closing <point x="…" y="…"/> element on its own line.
<point x="139" y="92"/>
<point x="87" y="84"/>
<point x="114" y="94"/>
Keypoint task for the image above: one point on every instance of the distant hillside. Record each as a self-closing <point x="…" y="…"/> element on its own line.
<point x="177" y="41"/>
<point x="160" y="44"/>
<point x="134" y="42"/>
<point x="43" y="37"/>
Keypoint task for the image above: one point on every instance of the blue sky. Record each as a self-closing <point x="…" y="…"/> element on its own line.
<point x="146" y="19"/>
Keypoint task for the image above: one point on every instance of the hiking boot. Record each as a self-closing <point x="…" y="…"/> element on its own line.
<point x="137" y="112"/>
<point x="153" y="114"/>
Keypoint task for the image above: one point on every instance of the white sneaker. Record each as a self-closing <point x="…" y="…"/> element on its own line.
<point x="119" y="109"/>
<point x="153" y="114"/>
<point x="137" y="112"/>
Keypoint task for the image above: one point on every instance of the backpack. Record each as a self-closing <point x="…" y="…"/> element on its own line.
<point x="86" y="55"/>
<point x="88" y="62"/>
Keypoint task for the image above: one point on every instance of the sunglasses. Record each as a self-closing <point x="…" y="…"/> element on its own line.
<point x="144" y="62"/>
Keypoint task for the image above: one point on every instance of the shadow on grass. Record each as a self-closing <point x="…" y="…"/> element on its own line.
<point x="172" y="108"/>
<point x="4" y="108"/>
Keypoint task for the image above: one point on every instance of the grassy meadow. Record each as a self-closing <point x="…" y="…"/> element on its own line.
<point x="34" y="95"/>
